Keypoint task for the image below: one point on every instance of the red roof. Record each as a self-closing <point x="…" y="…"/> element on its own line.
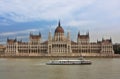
<point x="107" y="41"/>
<point x="11" y="41"/>
<point x="35" y="37"/>
<point x="83" y="36"/>
<point x="59" y="29"/>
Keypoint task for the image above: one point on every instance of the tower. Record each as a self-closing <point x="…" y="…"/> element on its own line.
<point x="68" y="36"/>
<point x="59" y="33"/>
<point x="49" y="37"/>
<point x="35" y="39"/>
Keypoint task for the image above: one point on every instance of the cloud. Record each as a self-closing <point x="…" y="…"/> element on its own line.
<point x="26" y="10"/>
<point x="19" y="32"/>
<point x="79" y="23"/>
<point x="95" y="15"/>
<point x="67" y="10"/>
<point x="23" y="37"/>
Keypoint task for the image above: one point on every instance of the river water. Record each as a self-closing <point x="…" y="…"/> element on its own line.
<point x="101" y="68"/>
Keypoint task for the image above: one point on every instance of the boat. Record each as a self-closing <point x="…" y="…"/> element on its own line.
<point x="69" y="62"/>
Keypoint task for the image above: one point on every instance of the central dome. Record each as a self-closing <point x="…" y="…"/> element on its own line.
<point x="59" y="29"/>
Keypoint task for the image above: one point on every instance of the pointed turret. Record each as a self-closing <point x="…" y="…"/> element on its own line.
<point x="87" y="34"/>
<point x="68" y="35"/>
<point x="50" y="36"/>
<point x="79" y="34"/>
<point x="102" y="39"/>
<point x="7" y="38"/>
<point x="15" y="39"/>
<point x="30" y="33"/>
<point x="110" y="39"/>
<point x="21" y="40"/>
<point x="40" y="34"/>
<point x="59" y="23"/>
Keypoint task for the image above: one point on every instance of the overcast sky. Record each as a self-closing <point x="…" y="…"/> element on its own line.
<point x="100" y="17"/>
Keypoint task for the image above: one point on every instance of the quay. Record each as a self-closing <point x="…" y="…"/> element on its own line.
<point x="52" y="57"/>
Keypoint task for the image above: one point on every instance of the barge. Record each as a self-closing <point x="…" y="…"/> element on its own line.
<point x="69" y="62"/>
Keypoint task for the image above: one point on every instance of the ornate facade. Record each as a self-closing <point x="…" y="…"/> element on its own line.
<point x="2" y="49"/>
<point x="58" y="45"/>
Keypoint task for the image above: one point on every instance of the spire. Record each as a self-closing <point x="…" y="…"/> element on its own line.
<point x="7" y="38"/>
<point x="79" y="34"/>
<point x="110" y="39"/>
<point x="39" y="34"/>
<point x="87" y="33"/>
<point x="30" y="33"/>
<point x="59" y="23"/>
<point x="15" y="39"/>
<point x="21" y="40"/>
<point x="50" y="29"/>
<point x="102" y="39"/>
<point x="50" y="36"/>
<point x="68" y="35"/>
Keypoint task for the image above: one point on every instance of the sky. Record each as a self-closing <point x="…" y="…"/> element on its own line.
<point x="101" y="18"/>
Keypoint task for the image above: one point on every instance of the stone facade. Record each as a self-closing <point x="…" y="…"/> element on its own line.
<point x="2" y="50"/>
<point x="59" y="44"/>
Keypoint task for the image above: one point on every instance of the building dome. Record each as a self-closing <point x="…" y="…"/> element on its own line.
<point x="59" y="29"/>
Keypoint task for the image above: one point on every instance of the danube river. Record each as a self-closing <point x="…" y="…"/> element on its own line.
<point x="101" y="68"/>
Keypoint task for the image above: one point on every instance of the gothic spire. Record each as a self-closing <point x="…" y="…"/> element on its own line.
<point x="79" y="34"/>
<point x="40" y="34"/>
<point x="87" y="34"/>
<point x="102" y="39"/>
<point x="110" y="39"/>
<point x="30" y="33"/>
<point x="59" y="23"/>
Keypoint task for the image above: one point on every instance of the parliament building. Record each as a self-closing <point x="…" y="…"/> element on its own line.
<point x="59" y="45"/>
